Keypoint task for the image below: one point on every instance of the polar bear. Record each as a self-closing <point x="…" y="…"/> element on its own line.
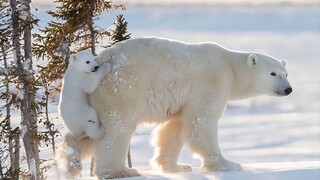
<point x="182" y="87"/>
<point x="81" y="78"/>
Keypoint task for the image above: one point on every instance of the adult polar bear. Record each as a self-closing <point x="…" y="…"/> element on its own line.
<point x="183" y="87"/>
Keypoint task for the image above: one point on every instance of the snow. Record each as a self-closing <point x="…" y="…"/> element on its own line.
<point x="69" y="150"/>
<point x="119" y="81"/>
<point x="273" y="138"/>
<point x="23" y="130"/>
<point x="111" y="28"/>
<point x="26" y="64"/>
<point x="15" y="57"/>
<point x="32" y="168"/>
<point x="24" y="14"/>
<point x="14" y="90"/>
<point x="4" y="71"/>
<point x="261" y="171"/>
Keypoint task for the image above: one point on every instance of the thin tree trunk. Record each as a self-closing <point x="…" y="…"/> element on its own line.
<point x="49" y="127"/>
<point x="92" y="37"/>
<point x="129" y="158"/>
<point x="29" y="111"/>
<point x="92" y="167"/>
<point x="91" y="29"/>
<point x="26" y="82"/>
<point x="16" y="157"/>
<point x="8" y="113"/>
<point x="15" y="35"/>
<point x="65" y="49"/>
<point x="1" y="173"/>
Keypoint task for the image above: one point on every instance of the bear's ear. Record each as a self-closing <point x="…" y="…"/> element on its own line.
<point x="252" y="60"/>
<point x="284" y="63"/>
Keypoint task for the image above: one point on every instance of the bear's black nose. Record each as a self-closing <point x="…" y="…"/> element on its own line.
<point x="96" y="67"/>
<point x="288" y="91"/>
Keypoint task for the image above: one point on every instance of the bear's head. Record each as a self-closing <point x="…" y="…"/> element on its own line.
<point x="269" y="75"/>
<point x="84" y="61"/>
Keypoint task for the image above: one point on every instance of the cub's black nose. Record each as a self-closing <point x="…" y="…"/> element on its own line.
<point x="288" y="91"/>
<point x="96" y="67"/>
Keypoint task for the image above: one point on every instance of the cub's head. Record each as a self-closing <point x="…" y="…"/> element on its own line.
<point x="269" y="74"/>
<point x="84" y="61"/>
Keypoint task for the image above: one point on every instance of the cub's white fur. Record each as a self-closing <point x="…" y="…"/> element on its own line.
<point x="82" y="77"/>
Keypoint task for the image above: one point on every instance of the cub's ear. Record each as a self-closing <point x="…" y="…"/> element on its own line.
<point x="284" y="63"/>
<point x="73" y="58"/>
<point x="252" y="60"/>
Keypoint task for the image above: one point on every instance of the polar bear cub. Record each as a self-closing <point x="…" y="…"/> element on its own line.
<point x="82" y="77"/>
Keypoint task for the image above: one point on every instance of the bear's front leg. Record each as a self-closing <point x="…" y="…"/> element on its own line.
<point x="111" y="151"/>
<point x="203" y="140"/>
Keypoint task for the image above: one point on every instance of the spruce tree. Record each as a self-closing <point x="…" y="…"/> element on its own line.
<point x="120" y="32"/>
<point x="75" y="29"/>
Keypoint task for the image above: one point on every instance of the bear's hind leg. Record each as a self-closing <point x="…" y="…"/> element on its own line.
<point x="168" y="141"/>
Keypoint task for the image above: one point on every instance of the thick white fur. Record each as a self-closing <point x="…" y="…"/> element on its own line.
<point x="70" y="153"/>
<point x="183" y="87"/>
<point x="81" y="78"/>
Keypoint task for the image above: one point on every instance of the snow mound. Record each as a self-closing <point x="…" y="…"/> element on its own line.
<point x="309" y="170"/>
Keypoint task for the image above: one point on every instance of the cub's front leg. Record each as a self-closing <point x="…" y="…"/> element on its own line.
<point x="96" y="78"/>
<point x="104" y="69"/>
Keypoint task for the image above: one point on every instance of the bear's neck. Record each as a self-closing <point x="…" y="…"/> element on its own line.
<point x="242" y="77"/>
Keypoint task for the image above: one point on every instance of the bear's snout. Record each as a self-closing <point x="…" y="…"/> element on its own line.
<point x="288" y="90"/>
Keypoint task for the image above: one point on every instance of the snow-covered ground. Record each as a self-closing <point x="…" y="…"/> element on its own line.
<point x="274" y="138"/>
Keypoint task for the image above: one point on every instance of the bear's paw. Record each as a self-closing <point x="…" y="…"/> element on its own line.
<point x="220" y="164"/>
<point x="117" y="173"/>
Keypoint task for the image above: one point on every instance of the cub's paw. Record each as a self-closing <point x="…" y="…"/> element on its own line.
<point x="93" y="131"/>
<point x="106" y="67"/>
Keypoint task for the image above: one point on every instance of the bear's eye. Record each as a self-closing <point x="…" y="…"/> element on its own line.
<point x="273" y="74"/>
<point x="88" y="62"/>
<point x="286" y="75"/>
